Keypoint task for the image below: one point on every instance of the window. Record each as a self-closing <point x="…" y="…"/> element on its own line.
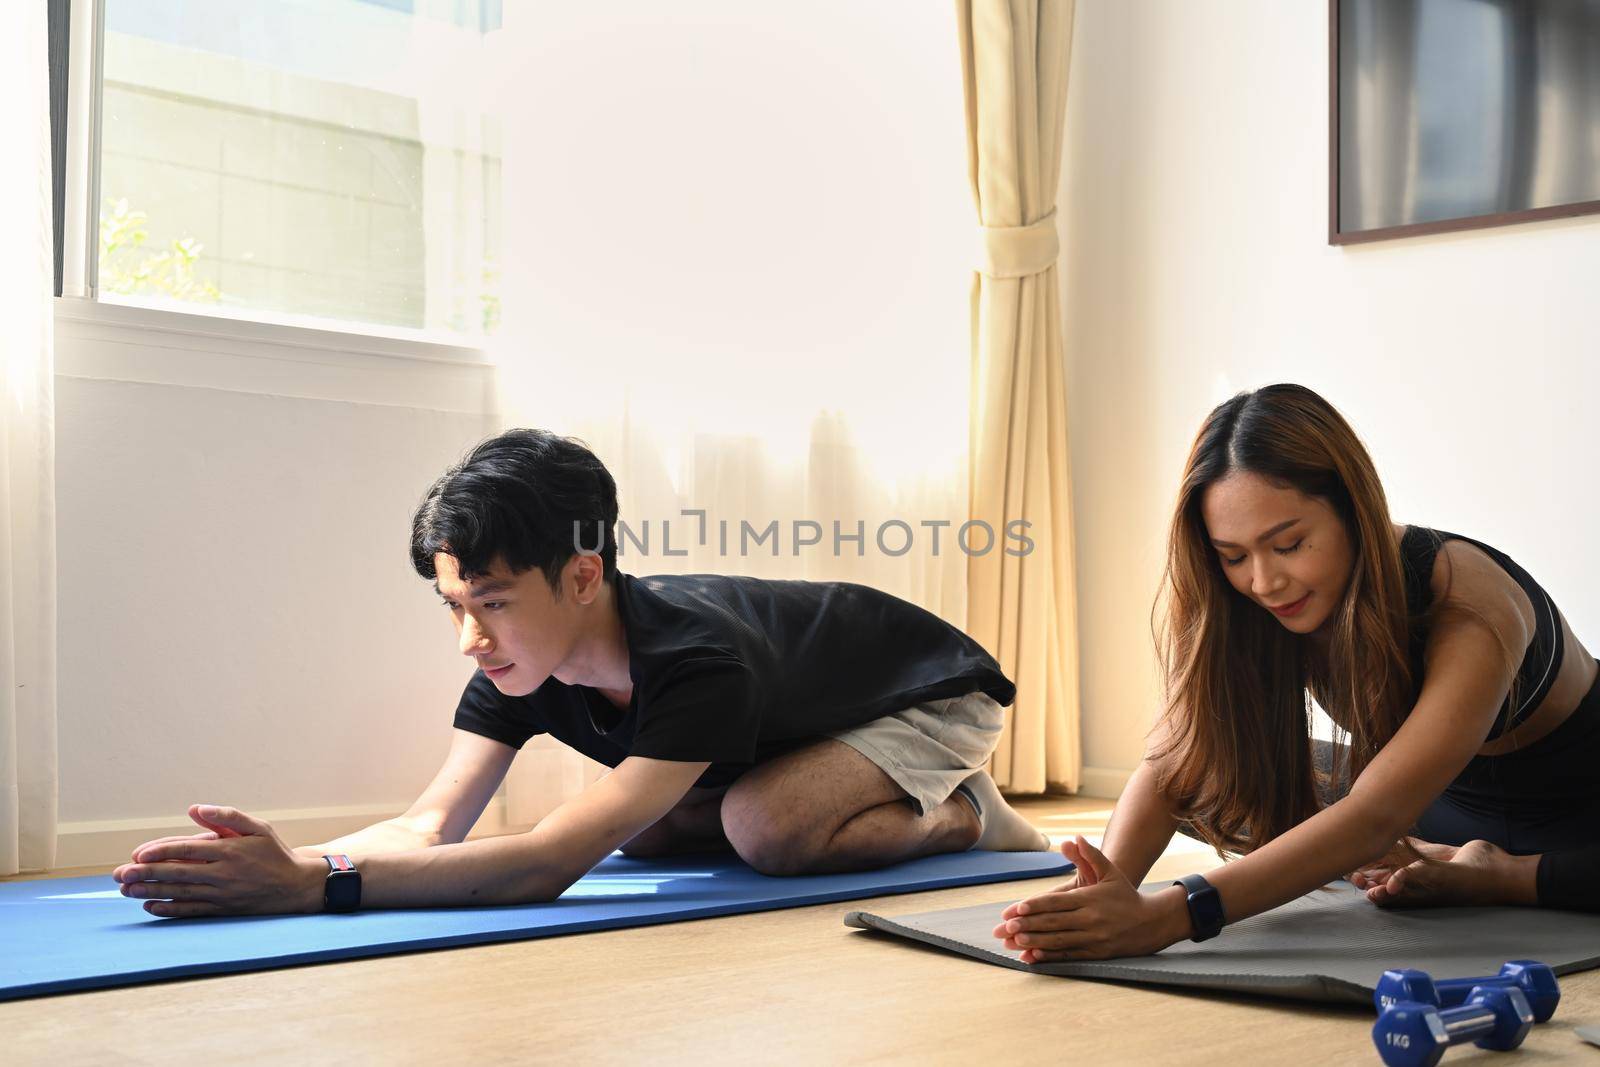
<point x="302" y="160"/>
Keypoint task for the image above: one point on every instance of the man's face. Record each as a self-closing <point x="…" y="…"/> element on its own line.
<point x="1287" y="552"/>
<point x="511" y="625"/>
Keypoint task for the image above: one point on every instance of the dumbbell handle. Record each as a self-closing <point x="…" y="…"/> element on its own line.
<point x="1454" y="991"/>
<point x="1466" y="1024"/>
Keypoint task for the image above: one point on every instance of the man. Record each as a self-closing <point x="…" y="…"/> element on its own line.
<point x="809" y="726"/>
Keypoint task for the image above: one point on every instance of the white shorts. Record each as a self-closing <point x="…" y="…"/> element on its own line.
<point x="930" y="748"/>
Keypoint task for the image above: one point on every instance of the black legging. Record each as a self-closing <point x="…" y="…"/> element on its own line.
<point x="1541" y="799"/>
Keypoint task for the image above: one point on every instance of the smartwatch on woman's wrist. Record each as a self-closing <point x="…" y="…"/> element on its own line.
<point x="1205" y="907"/>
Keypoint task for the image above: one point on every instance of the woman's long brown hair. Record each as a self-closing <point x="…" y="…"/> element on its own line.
<point x="1235" y="755"/>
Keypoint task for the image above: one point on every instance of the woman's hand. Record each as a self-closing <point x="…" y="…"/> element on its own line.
<point x="1098" y="915"/>
<point x="1432" y="875"/>
<point x="237" y="866"/>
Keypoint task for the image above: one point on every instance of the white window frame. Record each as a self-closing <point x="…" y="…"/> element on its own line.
<point x="281" y="355"/>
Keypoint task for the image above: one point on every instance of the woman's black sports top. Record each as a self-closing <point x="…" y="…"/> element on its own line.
<point x="1542" y="660"/>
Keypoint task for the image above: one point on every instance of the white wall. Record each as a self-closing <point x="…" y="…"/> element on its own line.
<point x="1194" y="213"/>
<point x="239" y="622"/>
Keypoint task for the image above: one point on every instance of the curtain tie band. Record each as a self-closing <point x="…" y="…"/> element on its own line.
<point x="1018" y="251"/>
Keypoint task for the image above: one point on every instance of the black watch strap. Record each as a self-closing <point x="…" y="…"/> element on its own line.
<point x="342" y="890"/>
<point x="1205" y="907"/>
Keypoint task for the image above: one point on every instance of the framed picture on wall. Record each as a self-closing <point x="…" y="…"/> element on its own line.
<point x="1459" y="114"/>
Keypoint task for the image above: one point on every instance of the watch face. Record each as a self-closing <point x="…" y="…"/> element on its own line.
<point x="1205" y="907"/>
<point x="342" y="891"/>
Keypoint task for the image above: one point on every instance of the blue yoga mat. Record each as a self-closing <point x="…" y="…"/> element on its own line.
<point x="68" y="934"/>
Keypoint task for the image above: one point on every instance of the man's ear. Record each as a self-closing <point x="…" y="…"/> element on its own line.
<point x="585" y="575"/>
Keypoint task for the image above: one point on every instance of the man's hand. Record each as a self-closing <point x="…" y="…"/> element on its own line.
<point x="237" y="866"/>
<point x="1098" y="915"/>
<point x="211" y="833"/>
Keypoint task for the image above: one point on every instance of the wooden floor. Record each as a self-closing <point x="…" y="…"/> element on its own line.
<point x="790" y="986"/>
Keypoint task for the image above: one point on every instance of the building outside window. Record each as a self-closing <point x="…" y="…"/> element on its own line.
<point x="302" y="161"/>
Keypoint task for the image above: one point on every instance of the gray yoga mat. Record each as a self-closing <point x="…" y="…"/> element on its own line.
<point x="1329" y="945"/>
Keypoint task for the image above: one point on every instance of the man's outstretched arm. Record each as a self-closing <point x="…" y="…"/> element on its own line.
<point x="445" y="811"/>
<point x="538" y="865"/>
<point x="255" y="873"/>
<point x="443" y="814"/>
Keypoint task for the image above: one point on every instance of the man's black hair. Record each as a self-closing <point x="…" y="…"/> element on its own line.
<point x="529" y="497"/>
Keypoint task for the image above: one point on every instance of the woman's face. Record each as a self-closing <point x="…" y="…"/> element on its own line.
<point x="1288" y="552"/>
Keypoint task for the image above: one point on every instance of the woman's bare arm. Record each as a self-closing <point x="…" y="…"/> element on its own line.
<point x="1142" y="824"/>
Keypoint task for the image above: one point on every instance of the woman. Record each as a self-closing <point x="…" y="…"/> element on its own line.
<point x="1471" y="711"/>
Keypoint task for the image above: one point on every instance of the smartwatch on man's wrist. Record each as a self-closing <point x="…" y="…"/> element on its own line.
<point x="342" y="890"/>
<point x="1205" y="907"/>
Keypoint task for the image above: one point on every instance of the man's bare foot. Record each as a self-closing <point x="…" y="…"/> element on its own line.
<point x="1475" y="874"/>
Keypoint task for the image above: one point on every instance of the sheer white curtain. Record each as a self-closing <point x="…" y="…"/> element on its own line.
<point x="739" y="248"/>
<point x="27" y="458"/>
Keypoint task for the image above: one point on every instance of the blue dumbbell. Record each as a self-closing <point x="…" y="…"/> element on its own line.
<point x="1410" y="1034"/>
<point x="1536" y="980"/>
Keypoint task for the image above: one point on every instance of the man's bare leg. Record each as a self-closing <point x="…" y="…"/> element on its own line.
<point x="826" y="808"/>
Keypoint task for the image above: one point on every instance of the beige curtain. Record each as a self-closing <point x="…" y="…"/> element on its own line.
<point x="27" y="460"/>
<point x="1014" y="56"/>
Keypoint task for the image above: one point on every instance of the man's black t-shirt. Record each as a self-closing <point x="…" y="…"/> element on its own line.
<point x="735" y="670"/>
